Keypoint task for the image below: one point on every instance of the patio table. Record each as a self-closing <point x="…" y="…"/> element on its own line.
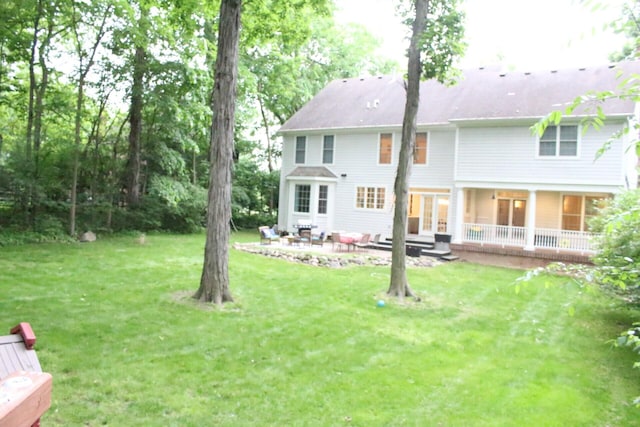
<point x="350" y="238"/>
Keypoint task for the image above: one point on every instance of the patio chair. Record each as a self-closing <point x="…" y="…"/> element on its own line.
<point x="305" y="237"/>
<point x="267" y="235"/>
<point x="375" y="242"/>
<point x="362" y="243"/>
<point x="317" y="239"/>
<point x="336" y="239"/>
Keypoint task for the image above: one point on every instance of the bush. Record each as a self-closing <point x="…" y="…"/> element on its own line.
<point x="618" y="257"/>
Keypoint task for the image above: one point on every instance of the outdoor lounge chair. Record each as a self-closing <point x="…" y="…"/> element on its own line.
<point x="267" y="235"/>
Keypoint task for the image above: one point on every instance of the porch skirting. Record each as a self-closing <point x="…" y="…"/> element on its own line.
<point x="552" y="255"/>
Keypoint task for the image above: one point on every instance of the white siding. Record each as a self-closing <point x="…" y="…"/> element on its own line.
<point x="438" y="172"/>
<point x="548" y="209"/>
<point x="509" y="154"/>
<point x="356" y="156"/>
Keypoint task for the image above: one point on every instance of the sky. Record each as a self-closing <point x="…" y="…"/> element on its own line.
<point x="516" y="34"/>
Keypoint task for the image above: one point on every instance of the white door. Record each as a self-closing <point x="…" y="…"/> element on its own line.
<point x="434" y="213"/>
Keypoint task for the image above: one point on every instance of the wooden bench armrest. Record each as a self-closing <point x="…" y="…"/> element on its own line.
<point x="24" y="329"/>
<point x="24" y="397"/>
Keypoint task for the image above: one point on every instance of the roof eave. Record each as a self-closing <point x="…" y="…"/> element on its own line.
<point x="529" y="119"/>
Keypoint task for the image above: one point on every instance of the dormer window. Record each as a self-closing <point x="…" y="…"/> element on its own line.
<point x="559" y="141"/>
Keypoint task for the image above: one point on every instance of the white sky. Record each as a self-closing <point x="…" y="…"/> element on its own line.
<point x="517" y="34"/>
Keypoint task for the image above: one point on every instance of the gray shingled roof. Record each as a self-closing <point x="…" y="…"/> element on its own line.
<point x="312" y="171"/>
<point x="480" y="95"/>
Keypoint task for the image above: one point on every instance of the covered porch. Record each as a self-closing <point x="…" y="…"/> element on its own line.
<point x="544" y="220"/>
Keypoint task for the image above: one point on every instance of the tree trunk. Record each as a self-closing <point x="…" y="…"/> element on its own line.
<point x="134" y="162"/>
<point x="38" y="114"/>
<point x="265" y="123"/>
<point x="214" y="282"/>
<point x="399" y="285"/>
<point x="83" y="71"/>
<point x="28" y="149"/>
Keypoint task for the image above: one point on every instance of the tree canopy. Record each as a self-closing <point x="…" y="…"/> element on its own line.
<point x="105" y="107"/>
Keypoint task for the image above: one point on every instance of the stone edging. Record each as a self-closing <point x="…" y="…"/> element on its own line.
<point x="333" y="260"/>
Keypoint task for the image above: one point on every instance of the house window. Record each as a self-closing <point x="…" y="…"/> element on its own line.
<point x="301" y="148"/>
<point x="578" y="210"/>
<point x="591" y="207"/>
<point x="384" y="149"/>
<point x="370" y="197"/>
<point x="323" y="193"/>
<point x="571" y="212"/>
<point x="302" y="198"/>
<point x="420" y="151"/>
<point x="559" y="141"/>
<point x="327" y="149"/>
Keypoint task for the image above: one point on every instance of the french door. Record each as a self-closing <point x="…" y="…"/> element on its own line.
<point x="511" y="212"/>
<point x="434" y="213"/>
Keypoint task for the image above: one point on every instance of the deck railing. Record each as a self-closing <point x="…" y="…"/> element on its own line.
<point x="544" y="238"/>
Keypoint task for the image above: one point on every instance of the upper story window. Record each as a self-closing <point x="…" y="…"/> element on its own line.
<point x="370" y="197"/>
<point x="559" y="141"/>
<point x="323" y="197"/>
<point x="301" y="149"/>
<point x="384" y="148"/>
<point x="420" y="151"/>
<point x="327" y="149"/>
<point x="302" y="198"/>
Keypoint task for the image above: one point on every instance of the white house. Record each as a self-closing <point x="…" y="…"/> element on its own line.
<point x="479" y="172"/>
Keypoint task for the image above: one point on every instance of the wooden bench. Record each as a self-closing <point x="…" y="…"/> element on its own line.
<point x="25" y="391"/>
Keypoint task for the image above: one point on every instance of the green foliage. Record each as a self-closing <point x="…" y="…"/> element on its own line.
<point x="442" y="42"/>
<point x="290" y="50"/>
<point x="631" y="339"/>
<point x="254" y="196"/>
<point x="618" y="256"/>
<point x="627" y="25"/>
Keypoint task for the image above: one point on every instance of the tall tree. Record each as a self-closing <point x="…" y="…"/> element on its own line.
<point x="85" y="62"/>
<point x="436" y="36"/>
<point x="134" y="163"/>
<point x="214" y="282"/>
<point x="399" y="285"/>
<point x="43" y="36"/>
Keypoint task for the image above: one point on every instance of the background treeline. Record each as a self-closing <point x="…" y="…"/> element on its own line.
<point x="105" y="108"/>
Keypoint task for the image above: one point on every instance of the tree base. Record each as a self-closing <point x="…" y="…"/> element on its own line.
<point x="202" y="296"/>
<point x="396" y="291"/>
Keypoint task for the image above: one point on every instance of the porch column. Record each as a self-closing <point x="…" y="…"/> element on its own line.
<point x="457" y="227"/>
<point x="531" y="222"/>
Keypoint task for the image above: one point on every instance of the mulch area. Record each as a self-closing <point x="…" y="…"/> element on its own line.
<point x="509" y="261"/>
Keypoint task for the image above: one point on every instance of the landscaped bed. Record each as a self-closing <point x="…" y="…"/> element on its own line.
<point x="305" y="345"/>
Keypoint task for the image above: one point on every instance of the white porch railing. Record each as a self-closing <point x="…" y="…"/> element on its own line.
<point x="580" y="241"/>
<point x="544" y="238"/>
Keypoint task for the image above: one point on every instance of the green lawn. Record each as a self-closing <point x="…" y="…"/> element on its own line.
<point x="307" y="346"/>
